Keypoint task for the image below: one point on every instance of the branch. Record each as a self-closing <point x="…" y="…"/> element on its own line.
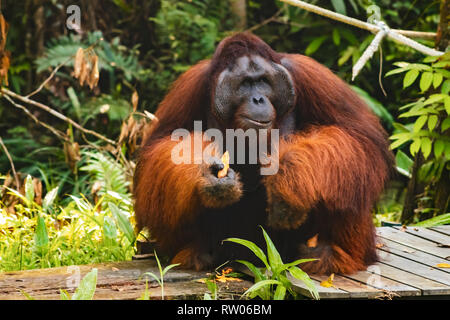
<point x="56" y="132"/>
<point x="11" y="163"/>
<point x="56" y="114"/>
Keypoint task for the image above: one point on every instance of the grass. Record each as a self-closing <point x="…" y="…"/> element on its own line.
<point x="51" y="235"/>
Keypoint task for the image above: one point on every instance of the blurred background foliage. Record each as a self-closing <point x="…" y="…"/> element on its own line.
<point x="142" y="46"/>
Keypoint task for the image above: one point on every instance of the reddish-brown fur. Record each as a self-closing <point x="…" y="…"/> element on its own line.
<point x="331" y="171"/>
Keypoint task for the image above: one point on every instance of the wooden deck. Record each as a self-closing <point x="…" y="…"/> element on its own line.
<point x="408" y="268"/>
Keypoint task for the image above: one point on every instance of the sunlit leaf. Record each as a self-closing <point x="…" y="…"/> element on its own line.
<point x="86" y="289"/>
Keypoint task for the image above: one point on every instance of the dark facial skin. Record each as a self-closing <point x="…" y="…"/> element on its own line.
<point x="254" y="93"/>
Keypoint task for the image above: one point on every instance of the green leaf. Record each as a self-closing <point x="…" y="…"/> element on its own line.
<point x="296" y="262"/>
<point x="123" y="222"/>
<point x="410" y="77"/>
<point x="336" y="37"/>
<point x="29" y="188"/>
<point x="299" y="274"/>
<point x="415" y="146"/>
<point x="49" y="198"/>
<point x="400" y="138"/>
<point x="166" y="269"/>
<point x="253" y="247"/>
<point x="420" y="123"/>
<point x="280" y="293"/>
<point x="426" y="80"/>
<point x="339" y="6"/>
<point x="445" y="124"/>
<point x="86" y="289"/>
<point x="259" y="276"/>
<point x="272" y="253"/>
<point x="432" y="121"/>
<point x="437" y="79"/>
<point x="109" y="230"/>
<point x="41" y="236"/>
<point x="438" y="148"/>
<point x="395" y="71"/>
<point x="403" y="163"/>
<point x="426" y="145"/>
<point x="445" y="89"/>
<point x="447" y="104"/>
<point x="314" y="45"/>
<point x="260" y="285"/>
<point x="436" y="221"/>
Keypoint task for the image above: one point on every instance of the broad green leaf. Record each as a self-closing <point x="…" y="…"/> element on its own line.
<point x="438" y="148"/>
<point x="436" y="221"/>
<point x="255" y="270"/>
<point x="49" y="198"/>
<point x="272" y="253"/>
<point x="426" y="145"/>
<point x="109" y="230"/>
<point x="314" y="45"/>
<point x="280" y="293"/>
<point x="395" y="71"/>
<point x="400" y="138"/>
<point x="445" y="89"/>
<point x="432" y="121"/>
<point x="414" y="147"/>
<point x="437" y="79"/>
<point x="420" y="123"/>
<point x="123" y="222"/>
<point x="434" y="98"/>
<point x="336" y="37"/>
<point x="403" y="163"/>
<point x="41" y="236"/>
<point x="410" y="77"/>
<point x="261" y="284"/>
<point x="445" y="124"/>
<point x="425" y="81"/>
<point x="296" y="262"/>
<point x="86" y="289"/>
<point x="299" y="274"/>
<point x="339" y="6"/>
<point x="29" y="189"/>
<point x="447" y="104"/>
<point x="253" y="247"/>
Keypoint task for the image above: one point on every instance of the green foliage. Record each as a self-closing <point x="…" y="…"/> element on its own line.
<point x="78" y="233"/>
<point x="429" y="114"/>
<point x="162" y="273"/>
<point x="435" y="221"/>
<point x="271" y="282"/>
<point x="111" y="54"/>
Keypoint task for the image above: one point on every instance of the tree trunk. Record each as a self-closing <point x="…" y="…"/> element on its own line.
<point x="239" y="9"/>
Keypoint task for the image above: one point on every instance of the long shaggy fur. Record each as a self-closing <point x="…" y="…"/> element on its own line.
<point x="331" y="172"/>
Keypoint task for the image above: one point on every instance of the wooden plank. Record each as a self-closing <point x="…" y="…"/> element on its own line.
<point x="442" y="229"/>
<point x="427" y="234"/>
<point x="415" y="268"/>
<point x="120" y="280"/>
<point x="413" y="241"/>
<point x="355" y="289"/>
<point x="428" y="287"/>
<point x="386" y="285"/>
<point x="412" y="254"/>
<point x="324" y="293"/>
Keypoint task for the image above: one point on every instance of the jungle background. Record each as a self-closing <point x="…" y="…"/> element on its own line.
<point x="68" y="141"/>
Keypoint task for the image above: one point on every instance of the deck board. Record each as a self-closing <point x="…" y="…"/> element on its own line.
<point x="407" y="268"/>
